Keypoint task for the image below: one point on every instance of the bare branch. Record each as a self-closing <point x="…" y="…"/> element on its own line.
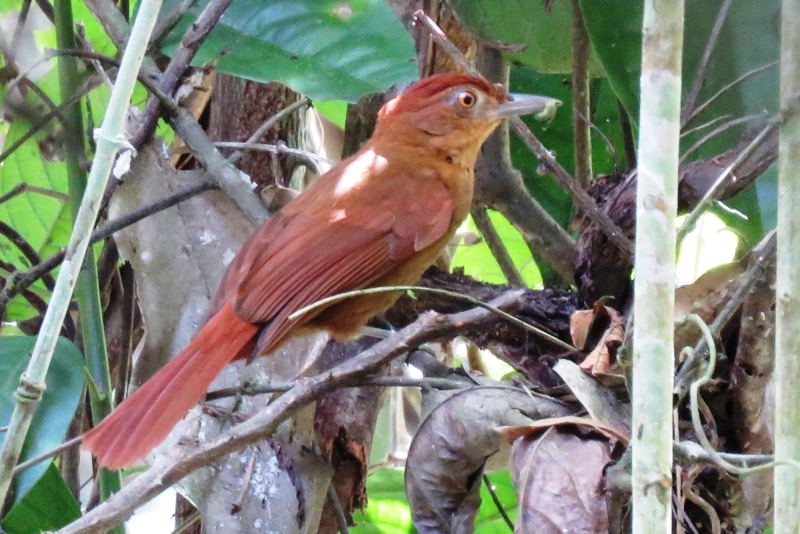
<point x="263" y="424"/>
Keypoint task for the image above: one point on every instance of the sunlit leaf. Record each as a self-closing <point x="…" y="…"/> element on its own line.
<point x="42" y="220"/>
<point x="479" y="262"/>
<point x="48" y="506"/>
<point x="387" y="511"/>
<point x="327" y="50"/>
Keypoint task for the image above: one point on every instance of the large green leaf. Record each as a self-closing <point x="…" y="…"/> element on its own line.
<point x="325" y="49"/>
<point x="48" y="506"/>
<point x="615" y="29"/>
<point x="43" y="221"/>
<point x="65" y="380"/>
<point x="545" y="34"/>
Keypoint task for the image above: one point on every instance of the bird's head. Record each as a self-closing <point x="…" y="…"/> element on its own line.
<point x="461" y="108"/>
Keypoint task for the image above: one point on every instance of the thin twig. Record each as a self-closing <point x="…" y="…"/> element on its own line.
<point x="497" y="247"/>
<point x="236" y="505"/>
<point x="581" y="134"/>
<point x="497" y="503"/>
<point x="49" y="454"/>
<point x="194" y="518"/>
<point x="441" y="39"/>
<point x="168" y="21"/>
<point x="458" y="296"/>
<point x="168" y="81"/>
<point x="24" y="187"/>
<point x="46" y="118"/>
<point x="275" y="149"/>
<point x="27" y="251"/>
<point x="166" y="101"/>
<point x="29" y="84"/>
<point x="727" y="87"/>
<point x="703" y="126"/>
<point x="609" y="145"/>
<point x="234" y="158"/>
<point x="700" y="73"/>
<point x="582" y="200"/>
<point x="378" y="381"/>
<point x="716" y="131"/>
<point x="710" y="195"/>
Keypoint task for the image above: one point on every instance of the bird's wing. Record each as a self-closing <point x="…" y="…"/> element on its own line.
<point x="307" y="254"/>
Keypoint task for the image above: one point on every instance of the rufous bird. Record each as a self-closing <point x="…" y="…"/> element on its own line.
<point x="378" y="218"/>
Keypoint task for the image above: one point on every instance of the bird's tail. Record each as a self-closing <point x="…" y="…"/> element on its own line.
<point x="144" y="419"/>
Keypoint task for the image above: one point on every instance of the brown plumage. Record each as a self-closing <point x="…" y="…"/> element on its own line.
<point x="378" y="218"/>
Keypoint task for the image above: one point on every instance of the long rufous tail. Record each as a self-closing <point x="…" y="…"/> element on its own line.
<point x="144" y="419"/>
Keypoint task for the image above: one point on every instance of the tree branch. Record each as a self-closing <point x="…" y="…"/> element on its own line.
<point x="264" y="423"/>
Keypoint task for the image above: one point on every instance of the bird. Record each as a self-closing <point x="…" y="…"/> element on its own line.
<point x="377" y="218"/>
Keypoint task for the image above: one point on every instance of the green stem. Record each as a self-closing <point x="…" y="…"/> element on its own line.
<point x="87" y="291"/>
<point x="654" y="283"/>
<point x="109" y="140"/>
<point x="787" y="283"/>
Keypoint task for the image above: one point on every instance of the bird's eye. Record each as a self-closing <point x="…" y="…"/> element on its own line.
<point x="467" y="99"/>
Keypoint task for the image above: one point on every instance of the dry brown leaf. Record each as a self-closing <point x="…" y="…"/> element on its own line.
<point x="448" y="453"/>
<point x="512" y="433"/>
<point x="556" y="493"/>
<point x="579" y="325"/>
<point x="602" y="357"/>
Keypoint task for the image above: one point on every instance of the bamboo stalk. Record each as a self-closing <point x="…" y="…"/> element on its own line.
<point x="87" y="291"/>
<point x="109" y="140"/>
<point x="787" y="284"/>
<point x="656" y="207"/>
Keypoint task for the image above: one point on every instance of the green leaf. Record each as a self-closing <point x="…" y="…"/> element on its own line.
<point x="48" y="506"/>
<point x="489" y="520"/>
<point x="479" y="262"/>
<point x="615" y="29"/>
<point x="325" y="49"/>
<point x="333" y="110"/>
<point x="43" y="221"/>
<point x="65" y="380"/>
<point x="388" y="510"/>
<point x="545" y="34"/>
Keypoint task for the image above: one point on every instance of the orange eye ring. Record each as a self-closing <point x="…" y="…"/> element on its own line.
<point x="467" y="99"/>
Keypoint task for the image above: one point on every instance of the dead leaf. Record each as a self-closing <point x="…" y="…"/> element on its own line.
<point x="705" y="297"/>
<point x="512" y="433"/>
<point x="583" y="323"/>
<point x="556" y="493"/>
<point x="449" y="452"/>
<point x="599" y="401"/>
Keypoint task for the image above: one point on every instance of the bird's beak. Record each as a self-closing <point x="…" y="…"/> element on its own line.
<point x="520" y="104"/>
